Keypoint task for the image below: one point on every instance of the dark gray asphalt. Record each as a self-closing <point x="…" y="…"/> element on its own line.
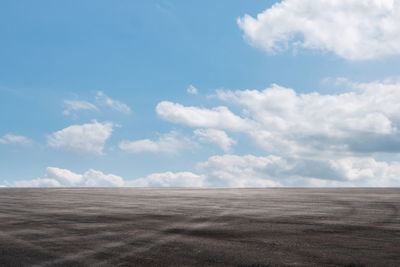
<point x="199" y="227"/>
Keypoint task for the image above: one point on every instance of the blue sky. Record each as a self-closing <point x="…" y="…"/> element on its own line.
<point x="117" y="72"/>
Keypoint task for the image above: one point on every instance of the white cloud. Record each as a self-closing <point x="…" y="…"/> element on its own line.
<point x="353" y="29"/>
<point x="15" y="139"/>
<point x="104" y="100"/>
<point x="97" y="178"/>
<point x="317" y="139"/>
<point x="64" y="176"/>
<point x="85" y="138"/>
<point x="368" y="171"/>
<point x="170" y="179"/>
<point x="219" y="117"/>
<point x="214" y="136"/>
<point x="170" y="143"/>
<point x="363" y="120"/>
<point x="75" y="105"/>
<point x="56" y="177"/>
<point x="192" y="90"/>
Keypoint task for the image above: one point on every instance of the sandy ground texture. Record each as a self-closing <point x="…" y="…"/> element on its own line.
<point x="199" y="227"/>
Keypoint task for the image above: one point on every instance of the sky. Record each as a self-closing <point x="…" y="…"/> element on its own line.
<point x="200" y="93"/>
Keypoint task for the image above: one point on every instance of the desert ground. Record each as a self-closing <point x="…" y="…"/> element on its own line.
<point x="199" y="227"/>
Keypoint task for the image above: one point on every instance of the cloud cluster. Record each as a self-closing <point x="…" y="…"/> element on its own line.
<point x="365" y="119"/>
<point x="15" y="139"/>
<point x="352" y="29"/>
<point x="56" y="177"/>
<point x="317" y="139"/>
<point x="85" y="138"/>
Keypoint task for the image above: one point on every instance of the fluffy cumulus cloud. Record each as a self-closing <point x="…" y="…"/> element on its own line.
<point x="85" y="138"/>
<point x="219" y="117"/>
<point x="103" y="100"/>
<point x="217" y="137"/>
<point x="170" y="143"/>
<point x="363" y="120"/>
<point x="316" y="139"/>
<point x="56" y="177"/>
<point x="72" y="106"/>
<point x="368" y="29"/>
<point x="15" y="139"/>
<point x="368" y="171"/>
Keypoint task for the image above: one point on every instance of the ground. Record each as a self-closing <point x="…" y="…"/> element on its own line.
<point x="199" y="227"/>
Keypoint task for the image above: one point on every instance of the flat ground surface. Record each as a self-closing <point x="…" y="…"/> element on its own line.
<point x="201" y="227"/>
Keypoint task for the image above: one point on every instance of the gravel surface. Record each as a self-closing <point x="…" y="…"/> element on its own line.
<point x="199" y="227"/>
